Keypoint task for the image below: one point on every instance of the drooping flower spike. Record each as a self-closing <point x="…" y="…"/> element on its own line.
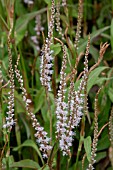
<point x="40" y="135"/>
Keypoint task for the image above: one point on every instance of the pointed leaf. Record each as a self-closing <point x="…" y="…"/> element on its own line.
<point x="94" y="76"/>
<point x="30" y="143"/>
<point x="22" y="22"/>
<point x="26" y="163"/>
<point x="100" y="156"/>
<point x="56" y="48"/>
<point x="96" y="33"/>
<point x="87" y="146"/>
<point x="39" y="99"/>
<point x="110" y="94"/>
<point x="102" y="144"/>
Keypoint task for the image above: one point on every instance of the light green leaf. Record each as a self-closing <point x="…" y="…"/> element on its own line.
<point x="94" y="52"/>
<point x="87" y="146"/>
<point x="30" y="143"/>
<point x="100" y="80"/>
<point x="48" y="2"/>
<point x="22" y="22"/>
<point x="26" y="163"/>
<point x="56" y="48"/>
<point x="39" y="100"/>
<point x="83" y="43"/>
<point x="44" y="112"/>
<point x="20" y="34"/>
<point x="94" y="76"/>
<point x="110" y="94"/>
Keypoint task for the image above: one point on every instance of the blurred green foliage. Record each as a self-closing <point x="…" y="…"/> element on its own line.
<point x="98" y="21"/>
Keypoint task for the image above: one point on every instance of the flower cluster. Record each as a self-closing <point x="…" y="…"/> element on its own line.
<point x="29" y="2"/>
<point x="64" y="2"/>
<point x="61" y="106"/>
<point x="38" y="29"/>
<point x="75" y="108"/>
<point x="40" y="134"/>
<point x="46" y="67"/>
<point x="46" y="57"/>
<point x="76" y="99"/>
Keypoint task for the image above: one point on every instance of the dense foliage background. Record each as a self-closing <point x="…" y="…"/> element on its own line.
<point x="21" y="148"/>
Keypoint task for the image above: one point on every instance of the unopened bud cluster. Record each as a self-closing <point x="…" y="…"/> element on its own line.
<point x="95" y="139"/>
<point x="79" y="21"/>
<point x="111" y="127"/>
<point x="86" y="77"/>
<point x="10" y="113"/>
<point x="57" y="17"/>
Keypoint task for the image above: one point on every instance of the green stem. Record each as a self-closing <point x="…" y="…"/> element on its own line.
<point x="67" y="167"/>
<point x="78" y="153"/>
<point x="8" y="151"/>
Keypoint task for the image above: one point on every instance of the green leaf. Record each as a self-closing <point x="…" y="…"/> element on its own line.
<point x="94" y="76"/>
<point x="87" y="146"/>
<point x="21" y="32"/>
<point x="94" y="52"/>
<point x="100" y="156"/>
<point x="48" y="2"/>
<point x="72" y="48"/>
<point x="44" y="111"/>
<point x="39" y="100"/>
<point x="96" y="33"/>
<point x="56" y="48"/>
<point x="101" y="80"/>
<point x="110" y="94"/>
<point x="30" y="143"/>
<point x="25" y="123"/>
<point x="19" y="8"/>
<point x="22" y="22"/>
<point x="103" y="143"/>
<point x="20" y="107"/>
<point x="26" y="163"/>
